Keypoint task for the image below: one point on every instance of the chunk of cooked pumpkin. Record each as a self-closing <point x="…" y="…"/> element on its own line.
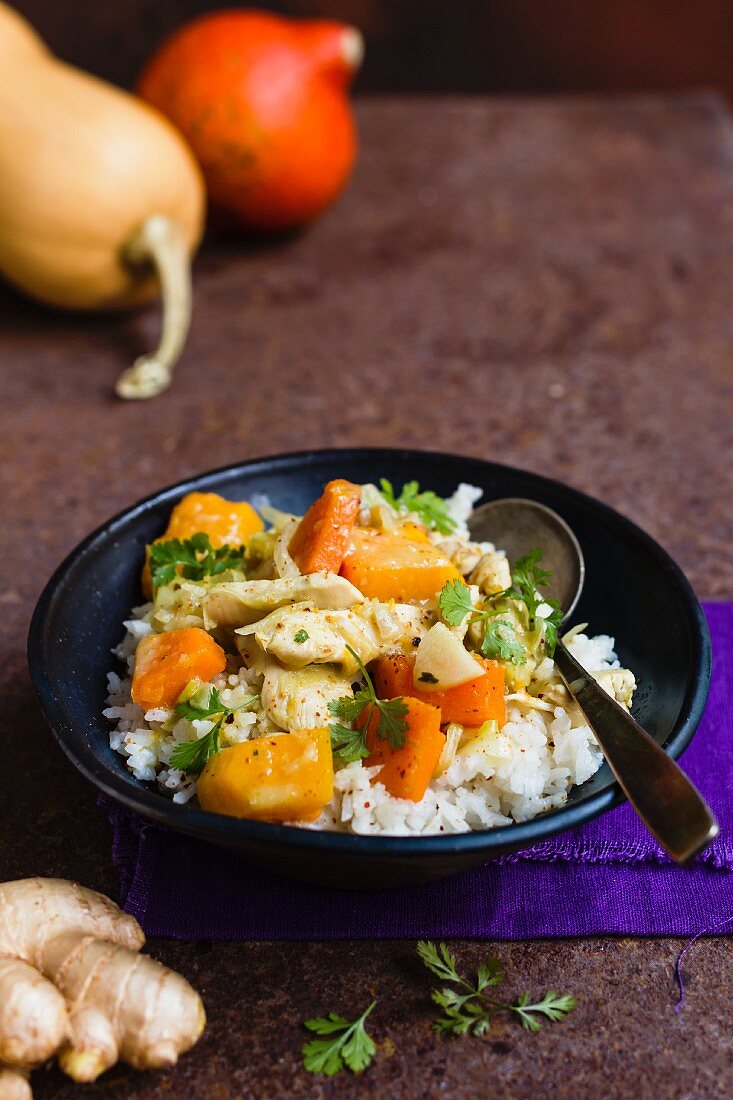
<point x="470" y="704"/>
<point x="165" y="663"/>
<point x="226" y="522"/>
<point x="322" y="536"/>
<point x="406" y="771"/>
<point x="386" y="565"/>
<point x="288" y="777"/>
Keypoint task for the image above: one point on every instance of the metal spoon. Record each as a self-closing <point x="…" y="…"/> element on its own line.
<point x="671" y="808"/>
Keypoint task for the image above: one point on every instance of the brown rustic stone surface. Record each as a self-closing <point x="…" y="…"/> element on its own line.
<point x="549" y="284"/>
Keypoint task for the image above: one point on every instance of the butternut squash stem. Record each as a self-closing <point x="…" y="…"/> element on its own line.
<point x="160" y="242"/>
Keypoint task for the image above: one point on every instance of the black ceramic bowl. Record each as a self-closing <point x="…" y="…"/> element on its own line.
<point x="633" y="591"/>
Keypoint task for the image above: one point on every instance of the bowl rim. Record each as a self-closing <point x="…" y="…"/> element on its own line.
<point x="218" y="828"/>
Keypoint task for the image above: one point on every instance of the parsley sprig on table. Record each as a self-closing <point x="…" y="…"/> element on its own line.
<point x="350" y="744"/>
<point x="468" y="1010"/>
<point x="500" y="637"/>
<point x="348" y="1044"/>
<point x="431" y="508"/>
<point x="203" y="703"/>
<point x="193" y="558"/>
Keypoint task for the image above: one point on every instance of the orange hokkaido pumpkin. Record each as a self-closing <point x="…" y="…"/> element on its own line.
<point x="263" y="103"/>
<point x="387" y="565"/>
<point x="166" y="663"/>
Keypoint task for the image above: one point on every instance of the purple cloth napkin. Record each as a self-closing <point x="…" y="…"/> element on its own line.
<point x="608" y="876"/>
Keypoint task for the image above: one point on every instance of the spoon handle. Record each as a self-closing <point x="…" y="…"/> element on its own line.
<point x="662" y="795"/>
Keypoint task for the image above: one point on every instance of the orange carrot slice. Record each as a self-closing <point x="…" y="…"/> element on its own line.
<point x="165" y="663"/>
<point x="406" y="771"/>
<point x="322" y="536"/>
<point x="469" y="704"/>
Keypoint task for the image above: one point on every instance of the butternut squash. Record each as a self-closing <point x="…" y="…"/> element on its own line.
<point x="322" y="536"/>
<point x="224" y="521"/>
<point x="284" y="778"/>
<point x="101" y="201"/>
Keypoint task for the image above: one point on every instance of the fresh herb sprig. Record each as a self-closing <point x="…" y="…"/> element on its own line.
<point x="432" y="509"/>
<point x="500" y="638"/>
<point x="193" y="559"/>
<point x="455" y="603"/>
<point x="348" y="1046"/>
<point x="467" y="1010"/>
<point x="501" y="641"/>
<point x="527" y="579"/>
<point x="203" y="703"/>
<point x="350" y="744"/>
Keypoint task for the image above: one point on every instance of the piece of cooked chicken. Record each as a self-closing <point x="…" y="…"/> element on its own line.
<point x="492" y="573"/>
<point x="464" y="554"/>
<point x="238" y="603"/>
<point x="298" y="699"/>
<point x="620" y="683"/>
<point x="304" y="634"/>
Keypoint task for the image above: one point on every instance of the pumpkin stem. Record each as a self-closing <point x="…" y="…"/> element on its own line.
<point x="160" y="242"/>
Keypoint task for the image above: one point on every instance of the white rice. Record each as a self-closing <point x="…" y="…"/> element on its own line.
<point x="545" y="750"/>
<point x="544" y="754"/>
<point x="461" y="505"/>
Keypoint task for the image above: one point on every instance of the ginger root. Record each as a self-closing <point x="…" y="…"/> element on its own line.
<point x="14" y="1084"/>
<point x="72" y="983"/>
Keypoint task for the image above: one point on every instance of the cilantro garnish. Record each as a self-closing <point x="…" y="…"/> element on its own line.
<point x="501" y="641"/>
<point x="467" y="1010"/>
<point x="350" y="744"/>
<point x="203" y="703"/>
<point x="301" y="636"/>
<point x="193" y="558"/>
<point x="527" y="578"/>
<point x="348" y="1044"/>
<point x="500" y="638"/>
<point x="431" y="508"/>
<point x="455" y="602"/>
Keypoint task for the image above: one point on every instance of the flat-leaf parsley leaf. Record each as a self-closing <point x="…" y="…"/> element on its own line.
<point x="467" y="1010"/>
<point x="203" y="704"/>
<point x="350" y="744"/>
<point x="431" y="508"/>
<point x="193" y="558"/>
<point x="348" y="1044"/>
<point x="500" y="637"/>
<point x="500" y="640"/>
<point x="527" y="578"/>
<point x="455" y="602"/>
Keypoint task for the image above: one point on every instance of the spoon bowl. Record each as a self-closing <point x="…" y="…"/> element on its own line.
<point x="519" y="525"/>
